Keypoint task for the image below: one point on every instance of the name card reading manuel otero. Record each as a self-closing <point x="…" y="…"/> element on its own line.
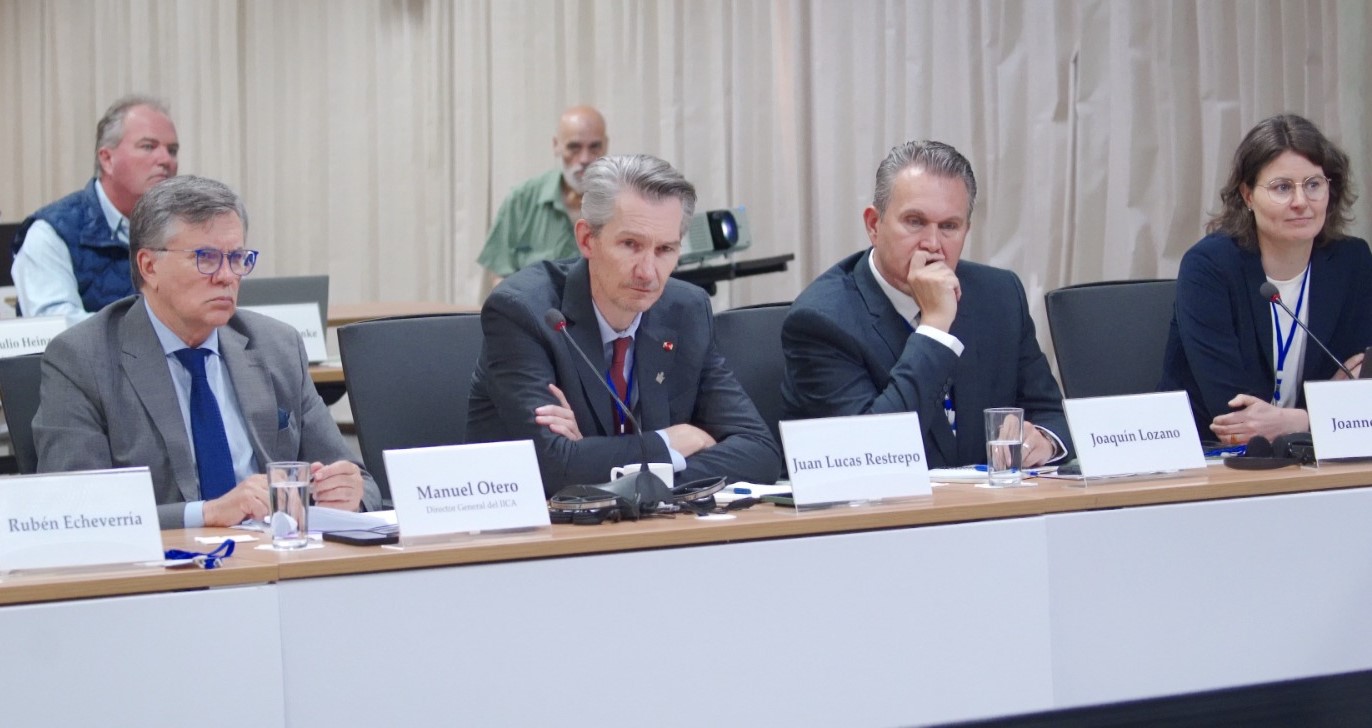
<point x="862" y="458"/>
<point x="1134" y="434"/>
<point x="85" y="518"/>
<point x="29" y="335"/>
<point x="304" y="318"/>
<point x="1340" y="417"/>
<point x="466" y="488"/>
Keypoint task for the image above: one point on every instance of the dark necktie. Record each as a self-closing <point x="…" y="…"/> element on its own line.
<point x="617" y="378"/>
<point x="213" y="462"/>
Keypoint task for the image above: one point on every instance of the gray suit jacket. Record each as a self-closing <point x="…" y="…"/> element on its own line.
<point x="679" y="377"/>
<point x="108" y="401"/>
<point x="848" y="352"/>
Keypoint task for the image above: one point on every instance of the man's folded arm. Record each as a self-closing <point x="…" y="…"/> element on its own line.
<point x="519" y="368"/>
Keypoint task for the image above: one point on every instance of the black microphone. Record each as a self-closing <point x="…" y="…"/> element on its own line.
<point x="1271" y="293"/>
<point x="648" y="488"/>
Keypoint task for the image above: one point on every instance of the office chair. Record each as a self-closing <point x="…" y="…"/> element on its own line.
<point x="19" y="380"/>
<point x="749" y="338"/>
<point x="408" y="381"/>
<point x="1110" y="337"/>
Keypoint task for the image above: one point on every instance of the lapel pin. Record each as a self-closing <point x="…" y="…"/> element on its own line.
<point x="668" y="346"/>
<point x="660" y="377"/>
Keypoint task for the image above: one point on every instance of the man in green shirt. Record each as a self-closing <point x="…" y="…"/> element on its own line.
<point x="536" y="221"/>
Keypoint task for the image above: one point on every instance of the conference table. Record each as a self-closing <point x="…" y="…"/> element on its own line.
<point x="966" y="604"/>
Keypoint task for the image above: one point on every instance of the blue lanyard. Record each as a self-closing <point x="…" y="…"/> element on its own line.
<point x="628" y="388"/>
<point x="1285" y="348"/>
<point x="948" y="409"/>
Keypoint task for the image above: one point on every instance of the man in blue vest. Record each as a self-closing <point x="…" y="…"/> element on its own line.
<point x="71" y="257"/>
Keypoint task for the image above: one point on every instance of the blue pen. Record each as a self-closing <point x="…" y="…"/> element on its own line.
<point x="1029" y="473"/>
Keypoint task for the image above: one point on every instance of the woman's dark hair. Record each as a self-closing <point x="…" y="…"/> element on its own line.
<point x="1264" y="143"/>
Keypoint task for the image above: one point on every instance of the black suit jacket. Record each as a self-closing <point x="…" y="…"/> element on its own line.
<point x="1221" y="339"/>
<point x="848" y="352"/>
<point x="679" y="377"/>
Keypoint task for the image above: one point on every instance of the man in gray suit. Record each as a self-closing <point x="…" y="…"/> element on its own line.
<point x="178" y="380"/>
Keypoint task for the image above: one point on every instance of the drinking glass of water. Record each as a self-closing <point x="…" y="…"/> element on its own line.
<point x="288" y="494"/>
<point x="1004" y="446"/>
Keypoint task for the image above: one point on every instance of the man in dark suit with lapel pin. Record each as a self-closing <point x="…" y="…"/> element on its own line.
<point x="178" y="380"/>
<point x="905" y="327"/>
<point x="651" y="337"/>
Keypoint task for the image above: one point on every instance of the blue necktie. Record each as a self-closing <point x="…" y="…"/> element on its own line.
<point x="212" y="459"/>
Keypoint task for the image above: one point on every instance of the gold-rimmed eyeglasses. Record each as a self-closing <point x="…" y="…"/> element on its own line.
<point x="1281" y="190"/>
<point x="209" y="260"/>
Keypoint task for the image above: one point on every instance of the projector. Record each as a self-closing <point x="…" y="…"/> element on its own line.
<point x="716" y="232"/>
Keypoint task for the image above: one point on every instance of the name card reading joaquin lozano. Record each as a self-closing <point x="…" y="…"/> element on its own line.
<point x="1135" y="433"/>
<point x="1340" y="417"/>
<point x="304" y="318"/>
<point x="78" y="519"/>
<point x="466" y="488"/>
<point x="29" y="335"/>
<point x="868" y="457"/>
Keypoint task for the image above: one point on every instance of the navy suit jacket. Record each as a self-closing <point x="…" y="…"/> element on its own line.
<point x="1220" y="344"/>
<point x="848" y="352"/>
<point x="679" y="377"/>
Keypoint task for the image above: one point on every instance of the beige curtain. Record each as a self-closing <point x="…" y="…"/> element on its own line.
<point x="374" y="139"/>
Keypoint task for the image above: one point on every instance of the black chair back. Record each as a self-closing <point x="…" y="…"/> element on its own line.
<point x="19" y="380"/>
<point x="408" y="381"/>
<point x="750" y="340"/>
<point x="1110" y="337"/>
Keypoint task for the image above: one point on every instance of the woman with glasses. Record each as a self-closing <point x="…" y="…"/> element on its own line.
<point x="1237" y="353"/>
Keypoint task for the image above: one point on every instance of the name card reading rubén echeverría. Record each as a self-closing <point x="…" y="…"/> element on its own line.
<point x="304" y="318"/>
<point x="1340" y="418"/>
<point x="1134" y="434"/>
<point x="863" y="458"/>
<point x="466" y="488"/>
<point x="78" y="519"/>
<point x="29" y="335"/>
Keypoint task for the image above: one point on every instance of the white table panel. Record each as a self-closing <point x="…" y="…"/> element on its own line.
<point x="202" y="658"/>
<point x="881" y="628"/>
<point x="1181" y="598"/>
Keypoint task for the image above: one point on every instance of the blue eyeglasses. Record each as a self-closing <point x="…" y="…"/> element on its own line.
<point x="209" y="260"/>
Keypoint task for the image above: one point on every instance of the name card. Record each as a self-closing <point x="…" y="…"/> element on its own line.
<point x="78" y="519"/>
<point x="862" y="458"/>
<point x="1133" y="434"/>
<point x="466" y="488"/>
<point x="29" y="335"/>
<point x="1340" y="418"/>
<point x="303" y="317"/>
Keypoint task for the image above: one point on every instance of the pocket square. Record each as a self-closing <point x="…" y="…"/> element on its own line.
<point x="283" y="419"/>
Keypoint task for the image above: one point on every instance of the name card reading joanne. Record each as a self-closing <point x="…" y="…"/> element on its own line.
<point x="1340" y="418"/>
<point x="1135" y="433"/>
<point x="29" y="335"/>
<point x="869" y="457"/>
<point x="78" y="519"/>
<point x="303" y="317"/>
<point x="466" y="488"/>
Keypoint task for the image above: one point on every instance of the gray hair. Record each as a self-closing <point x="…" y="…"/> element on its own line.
<point x="647" y="175"/>
<point x="936" y="158"/>
<point x="110" y="130"/>
<point x="185" y="199"/>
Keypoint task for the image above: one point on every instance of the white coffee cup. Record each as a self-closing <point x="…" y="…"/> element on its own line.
<point x="661" y="470"/>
